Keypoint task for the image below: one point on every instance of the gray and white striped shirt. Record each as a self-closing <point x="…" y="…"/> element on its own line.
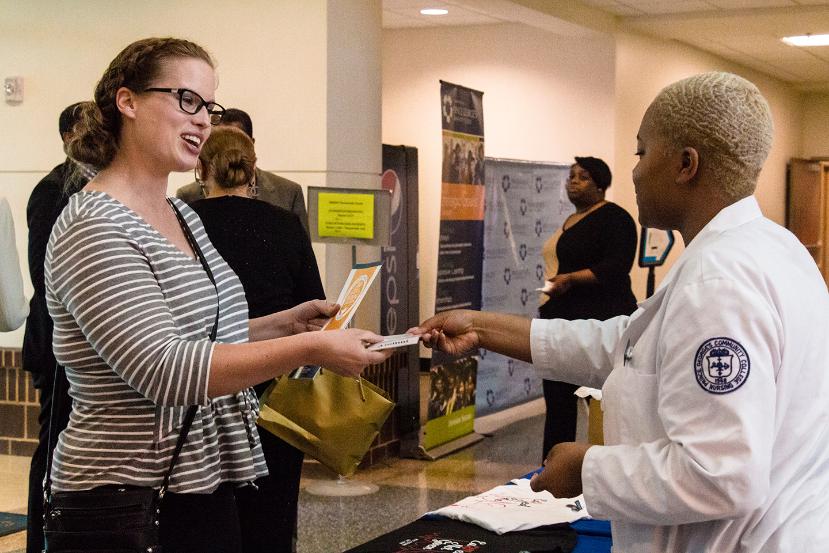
<point x="132" y="318"/>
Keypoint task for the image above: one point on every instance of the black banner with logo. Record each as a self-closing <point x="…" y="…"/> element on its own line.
<point x="451" y="410"/>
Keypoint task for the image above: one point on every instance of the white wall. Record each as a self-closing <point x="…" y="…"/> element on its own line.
<point x="272" y="61"/>
<point x="546" y="98"/>
<point x="815" y="125"/>
<point x="644" y="66"/>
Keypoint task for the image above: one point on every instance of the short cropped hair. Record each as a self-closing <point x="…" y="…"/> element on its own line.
<point x="239" y="117"/>
<point x="728" y="121"/>
<point x="598" y="170"/>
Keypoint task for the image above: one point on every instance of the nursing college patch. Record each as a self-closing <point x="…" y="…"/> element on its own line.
<point x="721" y="365"/>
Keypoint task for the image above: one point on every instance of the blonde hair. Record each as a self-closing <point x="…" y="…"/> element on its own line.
<point x="228" y="156"/>
<point x="96" y="135"/>
<point x="728" y="121"/>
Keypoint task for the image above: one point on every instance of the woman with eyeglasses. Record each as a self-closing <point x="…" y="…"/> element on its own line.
<point x="135" y="304"/>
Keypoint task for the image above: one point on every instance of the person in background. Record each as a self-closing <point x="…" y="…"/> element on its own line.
<point x="13" y="308"/>
<point x="136" y="290"/>
<point x="587" y="265"/>
<point x="479" y="165"/>
<point x="268" y="249"/>
<point x="269" y="188"/>
<point x="714" y="390"/>
<point x="47" y="200"/>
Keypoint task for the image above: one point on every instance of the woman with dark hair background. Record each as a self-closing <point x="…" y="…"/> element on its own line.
<point x="587" y="263"/>
<point x="268" y="249"/>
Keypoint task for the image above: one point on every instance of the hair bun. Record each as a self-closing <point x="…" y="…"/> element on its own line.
<point x="233" y="168"/>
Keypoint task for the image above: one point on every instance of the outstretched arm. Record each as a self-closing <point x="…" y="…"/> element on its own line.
<point x="460" y="331"/>
<point x="97" y="277"/>
<point x="236" y="366"/>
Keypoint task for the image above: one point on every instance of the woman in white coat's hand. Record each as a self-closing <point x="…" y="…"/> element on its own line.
<point x="562" y="470"/>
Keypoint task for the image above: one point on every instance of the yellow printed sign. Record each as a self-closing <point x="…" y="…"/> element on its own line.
<point x="346" y="215"/>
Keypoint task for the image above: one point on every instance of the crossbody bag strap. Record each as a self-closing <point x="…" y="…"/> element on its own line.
<point x="197" y="250"/>
<point x="47" y="482"/>
<point x="191" y="412"/>
<point x="185" y="429"/>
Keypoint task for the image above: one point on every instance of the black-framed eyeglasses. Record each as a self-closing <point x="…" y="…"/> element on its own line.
<point x="191" y="102"/>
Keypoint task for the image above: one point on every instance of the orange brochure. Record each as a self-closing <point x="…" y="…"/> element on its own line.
<point x="354" y="290"/>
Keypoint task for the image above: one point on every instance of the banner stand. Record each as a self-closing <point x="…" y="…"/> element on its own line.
<point x="450" y="447"/>
<point x="450" y="407"/>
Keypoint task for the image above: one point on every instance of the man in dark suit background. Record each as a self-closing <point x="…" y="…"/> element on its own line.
<point x="273" y="189"/>
<point x="46" y="202"/>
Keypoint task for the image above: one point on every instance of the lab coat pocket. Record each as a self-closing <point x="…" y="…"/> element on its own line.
<point x="628" y="402"/>
<point x="638" y="418"/>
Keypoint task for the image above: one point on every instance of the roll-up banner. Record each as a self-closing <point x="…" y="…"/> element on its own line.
<point x="451" y="411"/>
<point x="526" y="202"/>
<point x="400" y="285"/>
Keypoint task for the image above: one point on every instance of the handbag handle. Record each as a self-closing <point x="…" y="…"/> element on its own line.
<point x="359" y="380"/>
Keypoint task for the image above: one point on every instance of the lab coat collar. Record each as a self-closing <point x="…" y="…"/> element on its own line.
<point x="731" y="216"/>
<point x="734" y="215"/>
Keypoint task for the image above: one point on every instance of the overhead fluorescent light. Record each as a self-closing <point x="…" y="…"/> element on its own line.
<point x="807" y="40"/>
<point x="433" y="11"/>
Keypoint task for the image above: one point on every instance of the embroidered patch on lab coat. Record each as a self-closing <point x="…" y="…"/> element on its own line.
<point x="721" y="365"/>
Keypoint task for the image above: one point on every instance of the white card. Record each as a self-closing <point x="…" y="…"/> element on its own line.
<point x="395" y="341"/>
<point x="548" y="286"/>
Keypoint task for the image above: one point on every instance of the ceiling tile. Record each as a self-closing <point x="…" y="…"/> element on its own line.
<point x="711" y="46"/>
<point x="815" y="69"/>
<point x="623" y="11"/>
<point x="763" y="46"/>
<point x="821" y="52"/>
<point x="660" y="7"/>
<point x="743" y="31"/>
<point x="456" y="16"/>
<point x="394" y="20"/>
<point x="412" y="4"/>
<point x="750" y="4"/>
<point x="776" y="70"/>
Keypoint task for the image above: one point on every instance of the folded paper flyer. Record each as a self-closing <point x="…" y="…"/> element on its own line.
<point x="354" y="290"/>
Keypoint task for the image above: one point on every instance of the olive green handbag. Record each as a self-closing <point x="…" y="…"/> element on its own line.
<point x="329" y="417"/>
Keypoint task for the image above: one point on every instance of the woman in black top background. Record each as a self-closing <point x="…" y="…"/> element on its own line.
<point x="588" y="263"/>
<point x="269" y="250"/>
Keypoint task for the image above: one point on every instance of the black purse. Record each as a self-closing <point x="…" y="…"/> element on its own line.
<point x="113" y="518"/>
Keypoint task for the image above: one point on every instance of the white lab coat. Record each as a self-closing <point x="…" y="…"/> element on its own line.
<point x="693" y="463"/>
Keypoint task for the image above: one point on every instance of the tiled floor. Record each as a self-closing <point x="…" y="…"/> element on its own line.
<point x="14" y="483"/>
<point x="408" y="487"/>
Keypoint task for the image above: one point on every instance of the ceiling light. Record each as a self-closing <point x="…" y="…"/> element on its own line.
<point x="807" y="40"/>
<point x="433" y="11"/>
